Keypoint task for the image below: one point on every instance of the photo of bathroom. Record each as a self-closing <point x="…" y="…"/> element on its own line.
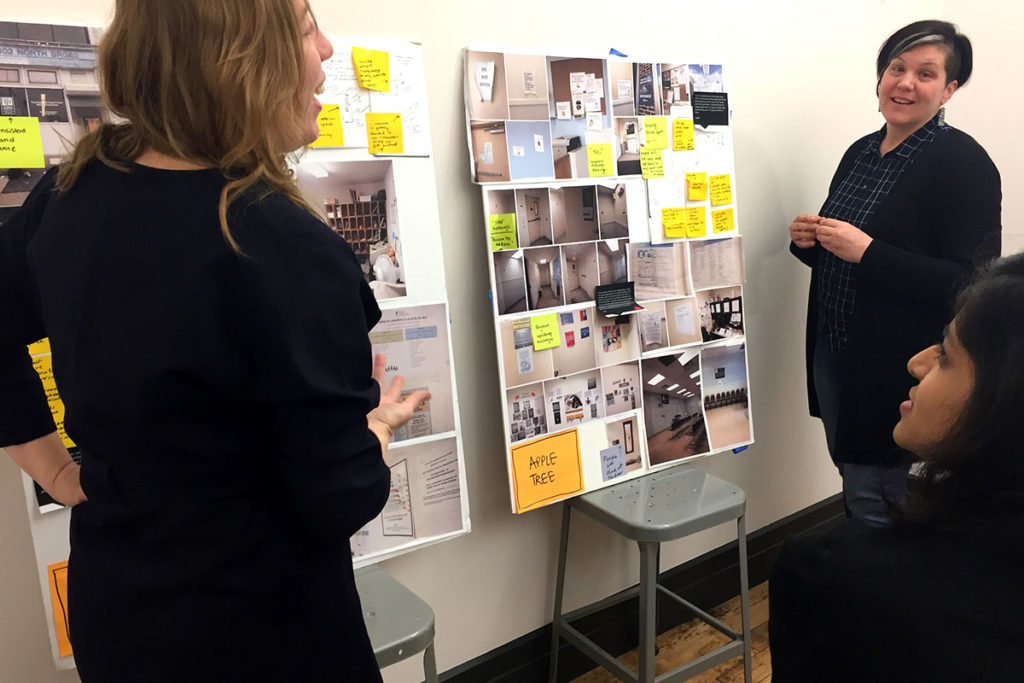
<point x="359" y="200"/>
<point x="580" y="271"/>
<point x="526" y="78"/>
<point x="675" y="89"/>
<point x="543" y="277"/>
<point x="673" y="409"/>
<point x="611" y="210"/>
<point x="611" y="261"/>
<point x="721" y="313"/>
<point x="490" y="151"/>
<point x="574" y="214"/>
<point x="725" y="394"/>
<point x="509" y="282"/>
<point x="486" y="94"/>
<point x="533" y="216"/>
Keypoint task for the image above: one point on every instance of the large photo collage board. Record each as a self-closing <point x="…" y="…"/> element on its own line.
<point x="597" y="172"/>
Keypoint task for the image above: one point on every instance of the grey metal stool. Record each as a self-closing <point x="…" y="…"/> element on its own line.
<point x="661" y="506"/>
<point x="400" y="624"/>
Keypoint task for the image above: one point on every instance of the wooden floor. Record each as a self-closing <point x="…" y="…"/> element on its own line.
<point x="694" y="638"/>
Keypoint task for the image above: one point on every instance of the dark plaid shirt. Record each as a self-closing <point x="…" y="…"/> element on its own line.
<point x="867" y="184"/>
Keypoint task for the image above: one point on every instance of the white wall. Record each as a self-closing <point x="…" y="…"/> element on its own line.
<point x="801" y="79"/>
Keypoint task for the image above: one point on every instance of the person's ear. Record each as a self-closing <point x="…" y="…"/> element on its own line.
<point x="948" y="92"/>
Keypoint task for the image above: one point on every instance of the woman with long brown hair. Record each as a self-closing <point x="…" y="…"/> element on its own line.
<point x="209" y="338"/>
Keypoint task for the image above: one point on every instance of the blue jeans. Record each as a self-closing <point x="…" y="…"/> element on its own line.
<point x="866" y="488"/>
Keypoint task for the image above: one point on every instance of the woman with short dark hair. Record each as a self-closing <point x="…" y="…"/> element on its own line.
<point x="912" y="209"/>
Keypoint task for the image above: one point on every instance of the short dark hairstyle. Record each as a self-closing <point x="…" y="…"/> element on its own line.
<point x="981" y="461"/>
<point x="959" y="55"/>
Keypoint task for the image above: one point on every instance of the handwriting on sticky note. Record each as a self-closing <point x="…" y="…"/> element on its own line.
<point x="384" y="133"/>
<point x="696" y="186"/>
<point x="372" y="69"/>
<point x="721" y="189"/>
<point x="58" y="575"/>
<point x="329" y="122"/>
<point x="655" y="132"/>
<point x="696" y="221"/>
<point x="503" y="231"/>
<point x="546" y="469"/>
<point x="682" y="135"/>
<point x="599" y="157"/>
<point x="652" y="164"/>
<point x="613" y="462"/>
<point x="21" y="145"/>
<point x="722" y="220"/>
<point x="674" y="222"/>
<point x="544" y="329"/>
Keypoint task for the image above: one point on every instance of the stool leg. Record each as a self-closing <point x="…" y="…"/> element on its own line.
<point x="556" y="620"/>
<point x="429" y="664"/>
<point x="648" y="610"/>
<point x="741" y="536"/>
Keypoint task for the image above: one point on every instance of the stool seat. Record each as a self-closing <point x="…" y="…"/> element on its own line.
<point x="399" y="622"/>
<point x="665" y="505"/>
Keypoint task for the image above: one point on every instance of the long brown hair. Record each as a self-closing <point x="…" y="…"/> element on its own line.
<point x="215" y="83"/>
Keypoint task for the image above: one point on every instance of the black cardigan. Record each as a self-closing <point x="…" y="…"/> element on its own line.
<point x="939" y="222"/>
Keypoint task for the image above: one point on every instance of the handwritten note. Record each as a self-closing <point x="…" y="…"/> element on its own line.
<point x="599" y="157"/>
<point x="58" y="575"/>
<point x="503" y="231"/>
<point x="384" y="132"/>
<point x="682" y="135"/>
<point x="544" y="329"/>
<point x="721" y="189"/>
<point x="21" y="145"/>
<point x="372" y="69"/>
<point x="613" y="462"/>
<point x="655" y="132"/>
<point x="546" y="470"/>
<point x="696" y="221"/>
<point x="652" y="164"/>
<point x="329" y="121"/>
<point x="696" y="186"/>
<point x="674" y="222"/>
<point x="41" y="346"/>
<point x="722" y="220"/>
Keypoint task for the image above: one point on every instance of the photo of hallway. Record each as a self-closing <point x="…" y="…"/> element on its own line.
<point x="611" y="261"/>
<point x="611" y="211"/>
<point x="533" y="216"/>
<point x="509" y="282"/>
<point x="580" y="272"/>
<point x="673" y="414"/>
<point x="543" y="277"/>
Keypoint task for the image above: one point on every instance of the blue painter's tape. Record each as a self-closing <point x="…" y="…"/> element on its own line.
<point x="615" y="52"/>
<point x="740" y="449"/>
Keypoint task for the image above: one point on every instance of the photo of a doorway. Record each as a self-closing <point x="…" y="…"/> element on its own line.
<point x="543" y="277"/>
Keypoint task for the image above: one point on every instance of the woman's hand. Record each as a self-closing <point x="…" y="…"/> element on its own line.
<point x="47" y="461"/>
<point x="803" y="230"/>
<point x="394" y="410"/>
<point x="846" y="241"/>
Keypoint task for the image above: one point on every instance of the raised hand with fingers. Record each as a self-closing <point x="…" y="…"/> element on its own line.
<point x="394" y="409"/>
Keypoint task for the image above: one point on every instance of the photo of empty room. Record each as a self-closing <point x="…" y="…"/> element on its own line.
<point x="509" y="282"/>
<point x="725" y="394"/>
<point x="490" y="151"/>
<point x="359" y="200"/>
<point x="721" y="313"/>
<point x="672" y="407"/>
<point x="543" y="277"/>
<point x="611" y="261"/>
<point x="529" y="144"/>
<point x="574" y="214"/>
<point x="675" y="89"/>
<point x="526" y="412"/>
<point x="611" y="210"/>
<point x="573" y="400"/>
<point x="624" y="434"/>
<point x="620" y="75"/>
<point x="533" y="216"/>
<point x="575" y="353"/>
<point x="526" y="77"/>
<point x="621" y="385"/>
<point x="521" y="363"/>
<point x="681" y="319"/>
<point x="580" y="272"/>
<point x="486" y="95"/>
<point x="647" y="88"/>
<point x="627" y="144"/>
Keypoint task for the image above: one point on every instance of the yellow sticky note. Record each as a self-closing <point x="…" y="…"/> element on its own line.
<point x="696" y="186"/>
<point x="58" y="575"/>
<point x="21" y="145"/>
<point x="696" y="221"/>
<point x="43" y="365"/>
<point x="722" y="220"/>
<point x="384" y="132"/>
<point x="674" y="222"/>
<point x="41" y="346"/>
<point x="651" y="163"/>
<point x="682" y="135"/>
<point x="329" y="121"/>
<point x="655" y="132"/>
<point x="721" y="189"/>
<point x="544" y="329"/>
<point x="372" y="69"/>
<point x="503" y="231"/>
<point x="547" y="469"/>
<point x="599" y="157"/>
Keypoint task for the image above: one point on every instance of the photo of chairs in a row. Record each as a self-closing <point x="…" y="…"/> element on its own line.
<point x="726" y="398"/>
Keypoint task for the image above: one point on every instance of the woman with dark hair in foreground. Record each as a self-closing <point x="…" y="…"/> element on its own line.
<point x="938" y="595"/>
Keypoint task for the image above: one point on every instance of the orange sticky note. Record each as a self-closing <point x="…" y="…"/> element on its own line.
<point x="696" y="221"/>
<point x="721" y="189"/>
<point x="546" y="469"/>
<point x="384" y="133"/>
<point x="674" y="222"/>
<point x="329" y="122"/>
<point x="58" y="575"/>
<point x="373" y="70"/>
<point x="722" y="220"/>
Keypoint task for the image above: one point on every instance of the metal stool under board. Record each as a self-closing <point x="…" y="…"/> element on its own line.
<point x="661" y="506"/>
<point x="400" y="624"/>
